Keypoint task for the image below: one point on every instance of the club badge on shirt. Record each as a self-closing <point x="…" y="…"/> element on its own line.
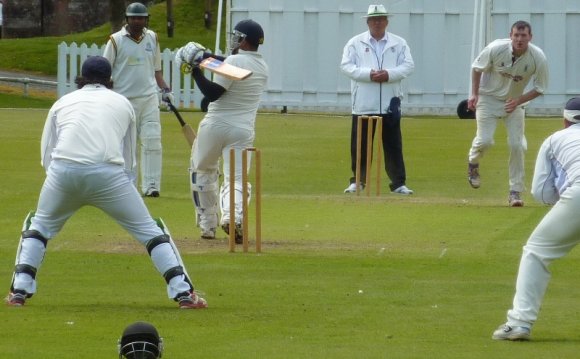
<point x="135" y="61"/>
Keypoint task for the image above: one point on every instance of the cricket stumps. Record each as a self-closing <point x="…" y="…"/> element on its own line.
<point x="245" y="199"/>
<point x="371" y="121"/>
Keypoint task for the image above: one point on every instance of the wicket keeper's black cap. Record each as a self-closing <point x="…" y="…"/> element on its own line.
<point x="96" y="67"/>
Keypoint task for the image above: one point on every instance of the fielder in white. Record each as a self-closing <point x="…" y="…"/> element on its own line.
<point x="229" y="123"/>
<point x="556" y="182"/>
<point x="88" y="151"/>
<point x="135" y="55"/>
<point x="499" y="77"/>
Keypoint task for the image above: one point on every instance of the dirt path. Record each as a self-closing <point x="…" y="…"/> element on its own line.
<point x="32" y="88"/>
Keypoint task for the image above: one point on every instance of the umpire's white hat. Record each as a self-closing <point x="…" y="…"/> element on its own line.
<point x="572" y="110"/>
<point x="377" y="10"/>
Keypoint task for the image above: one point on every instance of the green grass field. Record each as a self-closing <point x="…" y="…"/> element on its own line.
<point x="340" y="276"/>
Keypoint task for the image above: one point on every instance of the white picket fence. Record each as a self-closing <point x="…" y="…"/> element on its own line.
<point x="71" y="58"/>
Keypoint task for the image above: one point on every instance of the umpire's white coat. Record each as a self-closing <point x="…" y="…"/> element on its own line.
<point x="359" y="58"/>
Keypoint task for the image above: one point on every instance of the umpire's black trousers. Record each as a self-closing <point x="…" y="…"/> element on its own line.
<point x="392" y="145"/>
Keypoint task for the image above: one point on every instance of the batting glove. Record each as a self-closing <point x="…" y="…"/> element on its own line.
<point x="167" y="96"/>
<point x="189" y="56"/>
<point x="179" y="63"/>
<point x="193" y="53"/>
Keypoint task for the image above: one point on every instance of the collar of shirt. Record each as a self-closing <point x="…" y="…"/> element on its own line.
<point x="251" y="53"/>
<point x="378" y="45"/>
<point x="514" y="57"/>
<point x="126" y="33"/>
<point x="93" y="86"/>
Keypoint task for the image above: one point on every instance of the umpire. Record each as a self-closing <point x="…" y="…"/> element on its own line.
<point x="376" y="61"/>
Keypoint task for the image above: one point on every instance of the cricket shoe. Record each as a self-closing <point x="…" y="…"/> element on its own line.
<point x="515" y="199"/>
<point x="239" y="235"/>
<point x="403" y="190"/>
<point x="16" y="298"/>
<point x="152" y="192"/>
<point x="352" y="188"/>
<point x="208" y="233"/>
<point x="191" y="300"/>
<point x="473" y="175"/>
<point x="506" y="332"/>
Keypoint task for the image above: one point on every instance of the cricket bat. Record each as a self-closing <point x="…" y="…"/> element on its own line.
<point x="230" y="71"/>
<point x="188" y="132"/>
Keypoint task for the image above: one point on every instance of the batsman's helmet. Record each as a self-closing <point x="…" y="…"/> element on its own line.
<point x="249" y="30"/>
<point x="140" y="340"/>
<point x="136" y="9"/>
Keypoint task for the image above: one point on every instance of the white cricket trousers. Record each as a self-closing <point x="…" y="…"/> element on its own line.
<point x="213" y="141"/>
<point x="556" y="235"/>
<point x="150" y="147"/>
<point x="489" y="110"/>
<point x="69" y="186"/>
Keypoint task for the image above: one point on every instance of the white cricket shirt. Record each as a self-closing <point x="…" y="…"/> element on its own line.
<point x="134" y="63"/>
<point x="506" y="77"/>
<point x="557" y="165"/>
<point x="89" y="126"/>
<point x="238" y="106"/>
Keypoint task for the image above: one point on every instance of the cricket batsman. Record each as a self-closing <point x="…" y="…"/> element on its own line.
<point x="229" y="123"/>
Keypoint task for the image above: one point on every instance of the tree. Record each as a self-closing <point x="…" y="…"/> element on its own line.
<point x="117" y="16"/>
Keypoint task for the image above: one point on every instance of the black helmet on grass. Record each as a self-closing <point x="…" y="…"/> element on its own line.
<point x="140" y="340"/>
